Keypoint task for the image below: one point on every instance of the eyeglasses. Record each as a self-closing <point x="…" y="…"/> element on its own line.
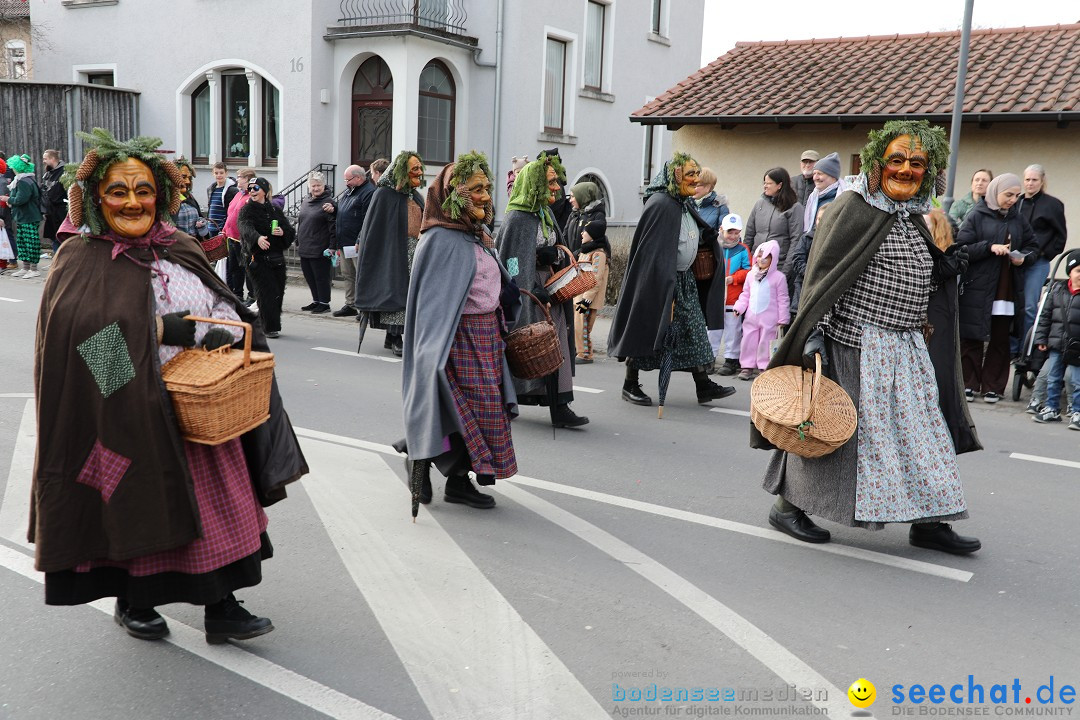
<point x="254" y="188"/>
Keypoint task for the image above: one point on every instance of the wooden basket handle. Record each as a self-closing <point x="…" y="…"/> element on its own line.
<point x="547" y="313"/>
<point x="814" y="388"/>
<point x="236" y="323"/>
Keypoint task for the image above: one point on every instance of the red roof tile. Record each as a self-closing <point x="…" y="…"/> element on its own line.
<point x="1010" y="71"/>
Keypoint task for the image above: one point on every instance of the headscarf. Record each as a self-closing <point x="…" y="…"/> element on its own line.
<point x="397" y="175"/>
<point x="21" y="164"/>
<point x="999" y="185"/>
<point x="667" y="179"/>
<point x="585" y="193"/>
<point x="530" y="192"/>
<point x="449" y="200"/>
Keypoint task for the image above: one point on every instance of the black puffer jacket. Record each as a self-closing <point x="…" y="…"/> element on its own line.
<point x="1046" y="215"/>
<point x="1059" y="319"/>
<point x="316" y="229"/>
<point x="982" y="228"/>
<point x="593" y="218"/>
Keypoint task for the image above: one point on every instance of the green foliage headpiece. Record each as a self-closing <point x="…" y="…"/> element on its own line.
<point x="459" y="200"/>
<point x="397" y="175"/>
<point x="935" y="144"/>
<point x="667" y="179"/>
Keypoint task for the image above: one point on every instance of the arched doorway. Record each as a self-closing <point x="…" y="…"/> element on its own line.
<point x="372" y="112"/>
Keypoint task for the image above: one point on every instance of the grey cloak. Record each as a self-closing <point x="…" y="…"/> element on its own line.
<point x="443" y="271"/>
<point x="643" y="313"/>
<point x="516" y="243"/>
<point x="382" y="267"/>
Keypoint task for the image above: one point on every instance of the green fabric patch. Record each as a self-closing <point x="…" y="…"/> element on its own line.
<point x="106" y="354"/>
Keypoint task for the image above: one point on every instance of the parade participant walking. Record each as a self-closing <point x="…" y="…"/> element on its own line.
<point x="869" y="284"/>
<point x="351" y="210"/>
<point x="458" y="396"/>
<point x="123" y="506"/>
<point x="387" y="243"/>
<point x="587" y="230"/>
<point x="992" y="301"/>
<point x="659" y="291"/>
<point x="265" y="234"/>
<point x="23" y="197"/>
<point x="188" y="216"/>
<point x="764" y="306"/>
<point x="527" y="246"/>
<point x="736" y="268"/>
<point x="315" y="234"/>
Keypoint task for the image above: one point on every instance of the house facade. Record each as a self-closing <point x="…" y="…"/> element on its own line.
<point x="284" y="86"/>
<point x="762" y="104"/>
<point x="16" y="40"/>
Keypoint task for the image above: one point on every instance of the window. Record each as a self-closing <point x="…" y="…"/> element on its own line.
<point x="271" y="122"/>
<point x="100" y="78"/>
<point x="200" y="123"/>
<point x="372" y="112"/>
<point x="554" y="85"/>
<point x="235" y="119"/>
<point x="435" y="135"/>
<point x="594" y="45"/>
<point x="15" y="52"/>
<point x="657" y="25"/>
<point x="647" y="164"/>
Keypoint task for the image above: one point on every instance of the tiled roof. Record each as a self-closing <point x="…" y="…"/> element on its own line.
<point x="14" y="9"/>
<point x="1012" y="73"/>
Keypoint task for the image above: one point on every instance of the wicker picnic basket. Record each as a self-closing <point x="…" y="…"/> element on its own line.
<point x="215" y="248"/>
<point x="219" y="394"/>
<point x="571" y="281"/>
<point x="802" y="412"/>
<point x="533" y="351"/>
<point x="704" y="265"/>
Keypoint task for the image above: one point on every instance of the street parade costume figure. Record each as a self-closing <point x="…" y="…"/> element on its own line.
<point x="387" y="243"/>
<point x="121" y="505"/>
<point x="659" y="311"/>
<point x="457" y="392"/>
<point x="876" y="285"/>
<point x="526" y="244"/>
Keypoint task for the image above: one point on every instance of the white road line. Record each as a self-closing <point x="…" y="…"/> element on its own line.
<point x="16" y="395"/>
<point x="728" y="411"/>
<point x="15" y="512"/>
<point x="1045" y="460"/>
<point x="4" y="299"/>
<point x="902" y="563"/>
<point x="741" y="631"/>
<point x="467" y="650"/>
<point x="589" y="390"/>
<point x="281" y="680"/>
<point x="380" y="358"/>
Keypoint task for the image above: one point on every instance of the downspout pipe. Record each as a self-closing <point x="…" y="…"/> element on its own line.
<point x="958" y="106"/>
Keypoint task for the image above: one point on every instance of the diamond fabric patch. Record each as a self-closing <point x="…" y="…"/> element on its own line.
<point x="106" y="355"/>
<point x="103" y="470"/>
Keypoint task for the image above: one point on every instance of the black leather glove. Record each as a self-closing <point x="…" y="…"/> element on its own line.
<point x="175" y="330"/>
<point x="217" y="337"/>
<point x="542" y="295"/>
<point x="583" y="306"/>
<point x="814" y="345"/>
<point x="954" y="263"/>
<point x="547" y="255"/>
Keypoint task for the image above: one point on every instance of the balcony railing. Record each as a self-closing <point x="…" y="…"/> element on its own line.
<point x="441" y="15"/>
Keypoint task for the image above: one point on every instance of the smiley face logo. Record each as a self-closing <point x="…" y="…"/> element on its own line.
<point x="862" y="693"/>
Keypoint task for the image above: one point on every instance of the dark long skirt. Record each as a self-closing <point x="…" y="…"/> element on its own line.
<point x="692" y="348"/>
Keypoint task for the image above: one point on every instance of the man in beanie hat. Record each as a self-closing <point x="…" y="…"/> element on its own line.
<point x="1058" y="331"/>
<point x="873" y="279"/>
<point x="802" y="183"/>
<point x="24" y="198"/>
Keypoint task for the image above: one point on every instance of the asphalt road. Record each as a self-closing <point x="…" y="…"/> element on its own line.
<point x="631" y="555"/>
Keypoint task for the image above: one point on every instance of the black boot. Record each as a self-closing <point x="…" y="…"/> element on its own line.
<point x="707" y="390"/>
<point x="227" y="620"/>
<point x="396" y="345"/>
<point x="422" y="466"/>
<point x="459" y="489"/>
<point x="564" y="417"/>
<point x="631" y="389"/>
<point x="142" y="623"/>
<point x="941" y="536"/>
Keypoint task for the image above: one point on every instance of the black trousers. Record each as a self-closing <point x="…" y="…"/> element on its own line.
<point x="988" y="371"/>
<point x="267" y="274"/>
<point x="318" y="272"/>
<point x="235" y="276"/>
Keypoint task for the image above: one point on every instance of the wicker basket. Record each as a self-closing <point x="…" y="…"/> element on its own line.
<point x="216" y="248"/>
<point x="571" y="281"/>
<point x="219" y="394"/>
<point x="533" y="351"/>
<point x="704" y="265"/>
<point x="809" y="419"/>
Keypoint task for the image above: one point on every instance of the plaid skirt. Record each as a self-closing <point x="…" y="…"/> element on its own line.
<point x="474" y="369"/>
<point x="692" y="347"/>
<point x="28" y="243"/>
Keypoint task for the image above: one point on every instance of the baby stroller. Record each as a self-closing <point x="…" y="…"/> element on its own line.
<point x="1026" y="367"/>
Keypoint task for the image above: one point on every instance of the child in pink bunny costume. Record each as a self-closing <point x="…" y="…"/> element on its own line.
<point x="764" y="305"/>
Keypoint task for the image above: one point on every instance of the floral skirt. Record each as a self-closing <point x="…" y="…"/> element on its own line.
<point x="692" y="348"/>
